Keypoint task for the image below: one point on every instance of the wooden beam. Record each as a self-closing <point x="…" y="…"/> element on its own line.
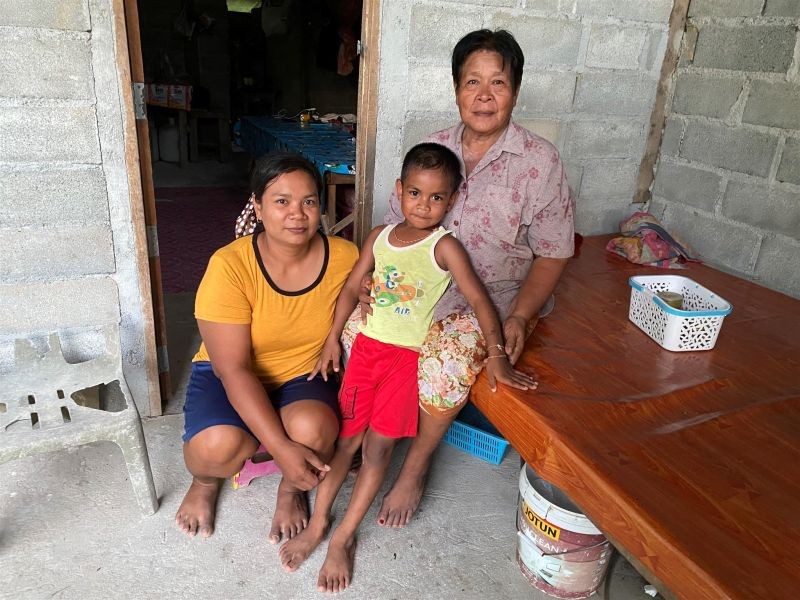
<point x="140" y="184"/>
<point x="367" y="118"/>
<point x="677" y="24"/>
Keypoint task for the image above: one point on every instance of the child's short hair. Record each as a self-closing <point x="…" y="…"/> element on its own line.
<point x="271" y="166"/>
<point x="430" y="156"/>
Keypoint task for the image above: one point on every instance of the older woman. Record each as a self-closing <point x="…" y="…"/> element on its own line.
<point x="264" y="308"/>
<point x="514" y="215"/>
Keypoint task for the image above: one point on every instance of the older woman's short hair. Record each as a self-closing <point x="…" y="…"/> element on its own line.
<point x="500" y="41"/>
<point x="430" y="157"/>
<point x="271" y="166"/>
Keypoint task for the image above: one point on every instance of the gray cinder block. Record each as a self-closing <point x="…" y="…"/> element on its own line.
<point x="544" y="41"/>
<point x="782" y="8"/>
<point x="706" y="96"/>
<point x="615" y="47"/>
<point x="608" y="178"/>
<point x="56" y="252"/>
<point x="46" y="65"/>
<point x="27" y="196"/>
<point x="615" y="93"/>
<point x="687" y="185"/>
<point x="725" y="8"/>
<point x="545" y="92"/>
<point x="777" y="264"/>
<point x="737" y="149"/>
<point x="50" y="14"/>
<point x="717" y="241"/>
<point x="775" y="210"/>
<point x="34" y="133"/>
<point x="767" y="48"/>
<point x="605" y="138"/>
<point x="82" y="302"/>
<point x="773" y="104"/>
<point x="789" y="168"/>
<point x="635" y="10"/>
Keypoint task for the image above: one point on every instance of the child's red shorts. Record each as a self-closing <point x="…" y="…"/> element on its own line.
<point x="379" y="390"/>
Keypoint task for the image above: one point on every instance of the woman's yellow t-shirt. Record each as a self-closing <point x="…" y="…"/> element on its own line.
<point x="287" y="329"/>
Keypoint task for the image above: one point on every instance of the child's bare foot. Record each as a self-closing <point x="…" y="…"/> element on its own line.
<point x="291" y="513"/>
<point x="196" y="512"/>
<point x="295" y="551"/>
<point x="400" y="503"/>
<point x="336" y="571"/>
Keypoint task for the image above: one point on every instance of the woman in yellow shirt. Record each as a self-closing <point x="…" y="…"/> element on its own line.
<point x="264" y="309"/>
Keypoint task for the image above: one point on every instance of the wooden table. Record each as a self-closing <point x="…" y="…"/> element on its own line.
<point x="222" y="145"/>
<point x="330" y="147"/>
<point x="332" y="180"/>
<point x="689" y="462"/>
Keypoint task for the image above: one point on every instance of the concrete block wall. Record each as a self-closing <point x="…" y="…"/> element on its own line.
<point x="591" y="70"/>
<point x="67" y="259"/>
<point x="728" y="177"/>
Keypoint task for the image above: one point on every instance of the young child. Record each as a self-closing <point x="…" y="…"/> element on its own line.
<point x="412" y="264"/>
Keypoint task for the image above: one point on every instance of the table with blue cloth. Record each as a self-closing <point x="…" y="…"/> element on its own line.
<point x="331" y="148"/>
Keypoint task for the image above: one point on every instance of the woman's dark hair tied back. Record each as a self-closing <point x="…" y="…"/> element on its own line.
<point x="500" y="41"/>
<point x="271" y="166"/>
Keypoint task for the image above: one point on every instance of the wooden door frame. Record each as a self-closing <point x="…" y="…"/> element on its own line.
<point x="127" y="16"/>
<point x="127" y="19"/>
<point x="368" y="78"/>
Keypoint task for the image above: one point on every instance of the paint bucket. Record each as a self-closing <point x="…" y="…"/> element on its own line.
<point x="559" y="550"/>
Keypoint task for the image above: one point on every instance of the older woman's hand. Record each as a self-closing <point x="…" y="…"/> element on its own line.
<point x="499" y="370"/>
<point x="514" y="332"/>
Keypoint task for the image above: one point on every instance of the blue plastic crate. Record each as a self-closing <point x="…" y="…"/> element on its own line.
<point x="486" y="446"/>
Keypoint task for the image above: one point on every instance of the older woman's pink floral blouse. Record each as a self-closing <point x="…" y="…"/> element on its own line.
<point x="515" y="205"/>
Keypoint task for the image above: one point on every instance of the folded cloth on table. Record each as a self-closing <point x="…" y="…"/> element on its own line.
<point x="644" y="241"/>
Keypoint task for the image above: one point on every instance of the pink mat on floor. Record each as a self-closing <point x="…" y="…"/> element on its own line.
<point x="193" y="222"/>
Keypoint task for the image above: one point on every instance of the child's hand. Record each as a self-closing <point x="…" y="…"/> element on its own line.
<point x="331" y="353"/>
<point x="499" y="369"/>
<point x="365" y="298"/>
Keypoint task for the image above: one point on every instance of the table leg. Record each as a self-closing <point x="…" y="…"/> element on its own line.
<point x="182" y="138"/>
<point x="330" y="209"/>
<point x="224" y="140"/>
<point x="193" y="151"/>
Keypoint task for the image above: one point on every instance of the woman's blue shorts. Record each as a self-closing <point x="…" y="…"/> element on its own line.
<point x="207" y="403"/>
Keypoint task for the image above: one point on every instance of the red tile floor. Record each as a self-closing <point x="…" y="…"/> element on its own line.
<point x="193" y="222"/>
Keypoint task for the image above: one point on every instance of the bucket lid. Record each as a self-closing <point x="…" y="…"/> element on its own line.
<point x="552" y="504"/>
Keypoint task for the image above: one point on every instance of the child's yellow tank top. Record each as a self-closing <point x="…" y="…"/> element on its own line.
<point x="406" y="284"/>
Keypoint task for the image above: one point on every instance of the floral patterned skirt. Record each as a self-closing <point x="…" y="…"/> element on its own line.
<point x="450" y="359"/>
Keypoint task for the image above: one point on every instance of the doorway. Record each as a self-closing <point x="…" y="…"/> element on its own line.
<point x="212" y="70"/>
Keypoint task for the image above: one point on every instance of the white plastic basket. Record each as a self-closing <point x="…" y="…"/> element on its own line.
<point x="696" y="327"/>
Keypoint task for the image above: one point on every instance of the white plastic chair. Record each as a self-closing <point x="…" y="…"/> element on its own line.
<point x="39" y="412"/>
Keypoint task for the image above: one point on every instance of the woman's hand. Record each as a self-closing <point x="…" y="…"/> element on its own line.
<point x="514" y="332"/>
<point x="499" y="369"/>
<point x="365" y="299"/>
<point x="331" y="354"/>
<point x="301" y="467"/>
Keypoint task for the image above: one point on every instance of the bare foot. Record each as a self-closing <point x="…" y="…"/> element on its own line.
<point x="291" y="514"/>
<point x="400" y="503"/>
<point x="295" y="551"/>
<point x="196" y="512"/>
<point x="336" y="571"/>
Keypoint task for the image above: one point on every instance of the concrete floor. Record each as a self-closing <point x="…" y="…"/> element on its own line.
<point x="70" y="526"/>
